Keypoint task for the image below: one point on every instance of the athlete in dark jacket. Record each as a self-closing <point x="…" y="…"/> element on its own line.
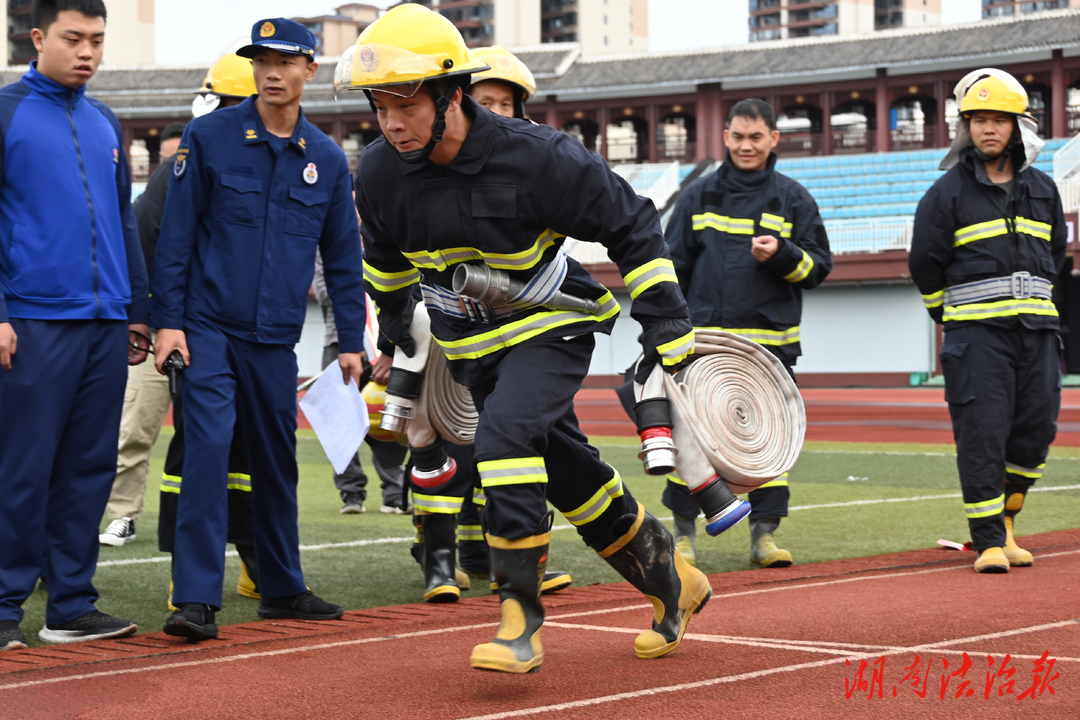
<point x="988" y="244"/>
<point x="746" y="241"/>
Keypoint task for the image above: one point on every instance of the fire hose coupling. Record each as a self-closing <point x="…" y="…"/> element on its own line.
<point x="431" y="465"/>
<point x="404" y="387"/>
<point x="722" y="509"/>
<point x="405" y="383"/>
<point x="658" y="450"/>
<point x="496" y="287"/>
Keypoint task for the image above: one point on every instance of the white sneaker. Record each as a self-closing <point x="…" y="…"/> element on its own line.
<point x="120" y="532"/>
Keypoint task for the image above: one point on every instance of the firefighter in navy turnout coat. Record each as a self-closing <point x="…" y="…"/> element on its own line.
<point x="256" y="189"/>
<point x="988" y="244"/>
<point x="746" y="241"/>
<point x="451" y="183"/>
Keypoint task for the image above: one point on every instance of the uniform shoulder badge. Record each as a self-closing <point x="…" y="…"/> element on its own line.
<point x="251" y="134"/>
<point x="116" y="155"/>
<point x="311" y="174"/>
<point x="303" y="143"/>
<point x="268" y="29"/>
<point x="181" y="161"/>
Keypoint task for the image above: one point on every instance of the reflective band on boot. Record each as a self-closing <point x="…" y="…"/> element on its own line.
<point x="438" y="543"/>
<point x="645" y="556"/>
<point x="517" y="566"/>
<point x="554" y="581"/>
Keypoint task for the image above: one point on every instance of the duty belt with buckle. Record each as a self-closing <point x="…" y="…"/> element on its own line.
<point x="1020" y="285"/>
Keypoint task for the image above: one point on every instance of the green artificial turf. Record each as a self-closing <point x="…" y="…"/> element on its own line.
<point x="384" y="573"/>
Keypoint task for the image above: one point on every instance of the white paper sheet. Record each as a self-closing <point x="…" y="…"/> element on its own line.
<point x="338" y="415"/>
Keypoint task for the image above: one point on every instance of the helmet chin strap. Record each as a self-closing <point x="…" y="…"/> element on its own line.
<point x="1006" y="152"/>
<point x="438" y="127"/>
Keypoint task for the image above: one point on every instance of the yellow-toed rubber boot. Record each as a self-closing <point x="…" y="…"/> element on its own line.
<point x="1017" y="556"/>
<point x="992" y="560"/>
<point x="517" y="566"/>
<point x="1014" y="502"/>
<point x="763" y="550"/>
<point x="462" y="579"/>
<point x="438" y="544"/>
<point x="685" y="535"/>
<point x="645" y="556"/>
<point x="554" y="581"/>
<point x="172" y="608"/>
<point x="245" y="586"/>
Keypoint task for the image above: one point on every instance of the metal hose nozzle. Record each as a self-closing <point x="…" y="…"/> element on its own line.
<point x="495" y="287"/>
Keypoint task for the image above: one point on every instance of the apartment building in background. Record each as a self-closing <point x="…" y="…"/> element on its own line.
<point x="783" y="19"/>
<point x="1011" y="8"/>
<point x="600" y="27"/>
<point x="132" y="20"/>
<point x="334" y="34"/>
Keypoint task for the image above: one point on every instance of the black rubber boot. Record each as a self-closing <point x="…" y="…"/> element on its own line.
<point x="438" y="542"/>
<point x="517" y="566"/>
<point x="644" y="554"/>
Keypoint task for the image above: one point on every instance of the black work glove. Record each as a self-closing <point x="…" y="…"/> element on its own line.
<point x="658" y="332"/>
<point x="395" y="328"/>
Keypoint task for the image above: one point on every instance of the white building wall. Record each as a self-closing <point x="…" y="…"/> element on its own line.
<point x="129" y="33"/>
<point x="517" y="23"/>
<point x="592" y="28"/>
<point x="866" y="329"/>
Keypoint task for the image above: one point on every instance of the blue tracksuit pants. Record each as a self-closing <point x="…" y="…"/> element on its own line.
<point x="227" y="372"/>
<point x="60" y="410"/>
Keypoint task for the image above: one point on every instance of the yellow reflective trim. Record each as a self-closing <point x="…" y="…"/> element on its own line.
<point x="641" y="279"/>
<point x="722" y="223"/>
<point x="1034" y="228"/>
<point x="591" y="509"/>
<point x="934" y="300"/>
<point x="772" y="222"/>
<point x="442" y="259"/>
<point x="674" y="478"/>
<point x="677" y="350"/>
<point x="979" y="231"/>
<point x="778" y="482"/>
<point x="502" y="543"/>
<point x="764" y="337"/>
<point x="242" y="481"/>
<point x="802" y="269"/>
<point x="1033" y="473"/>
<point x="786" y="231"/>
<point x="621" y="542"/>
<point x="512" y="471"/>
<point x="170" y="483"/>
<point x="389" y="282"/>
<point x="437" y="504"/>
<point x="514" y="333"/>
<point x="1001" y="308"/>
<point x="985" y="508"/>
<point x="470" y="533"/>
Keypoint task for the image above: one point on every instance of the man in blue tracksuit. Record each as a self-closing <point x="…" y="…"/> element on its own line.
<point x="255" y="190"/>
<point x="72" y="285"/>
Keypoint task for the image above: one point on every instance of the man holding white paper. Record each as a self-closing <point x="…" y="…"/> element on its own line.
<point x="338" y="415"/>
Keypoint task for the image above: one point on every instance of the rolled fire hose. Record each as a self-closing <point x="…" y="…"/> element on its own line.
<point x="737" y="422"/>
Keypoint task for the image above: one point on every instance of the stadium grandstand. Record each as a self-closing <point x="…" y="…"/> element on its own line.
<point x="864" y="122"/>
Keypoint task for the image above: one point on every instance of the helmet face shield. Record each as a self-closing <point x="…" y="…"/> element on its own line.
<point x="387" y="68"/>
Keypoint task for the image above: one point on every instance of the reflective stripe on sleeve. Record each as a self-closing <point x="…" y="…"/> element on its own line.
<point x="437" y="504"/>
<point x="512" y="471"/>
<point x="802" y="269"/>
<point x="934" y="300"/>
<point x="674" y="352"/>
<point x="722" y="223"/>
<point x="641" y="279"/>
<point x="513" y="333"/>
<point x="764" y="337"/>
<point x="389" y="282"/>
<point x="478" y="497"/>
<point x="985" y="508"/>
<point x="1002" y="308"/>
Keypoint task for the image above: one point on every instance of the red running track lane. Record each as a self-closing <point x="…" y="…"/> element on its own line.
<point x="771" y="644"/>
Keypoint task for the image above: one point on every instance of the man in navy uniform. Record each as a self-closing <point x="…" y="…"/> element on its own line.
<point x="256" y="189"/>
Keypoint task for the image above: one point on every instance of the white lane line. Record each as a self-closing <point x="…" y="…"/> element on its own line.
<point x="382" y="541"/>
<point x="802" y="586"/>
<point x="748" y="676"/>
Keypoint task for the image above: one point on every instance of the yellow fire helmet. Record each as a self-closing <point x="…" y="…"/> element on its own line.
<point x="397" y="53"/>
<point x="991" y="89"/>
<point x="230" y="76"/>
<point x="506" y="68"/>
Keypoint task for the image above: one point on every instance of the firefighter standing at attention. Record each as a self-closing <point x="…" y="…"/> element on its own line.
<point x="988" y="243"/>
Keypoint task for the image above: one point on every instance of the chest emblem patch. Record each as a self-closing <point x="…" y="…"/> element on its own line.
<point x="311" y="174"/>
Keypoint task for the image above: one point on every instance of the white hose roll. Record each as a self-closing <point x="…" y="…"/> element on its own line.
<point x="447" y="403"/>
<point x="742" y="409"/>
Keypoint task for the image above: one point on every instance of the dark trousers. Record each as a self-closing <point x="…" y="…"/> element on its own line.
<point x="1003" y="387"/>
<point x="527" y="411"/>
<point x="226" y="371"/>
<point x="241" y="524"/>
<point x="60" y="408"/>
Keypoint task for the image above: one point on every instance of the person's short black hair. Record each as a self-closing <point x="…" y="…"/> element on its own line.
<point x="753" y="109"/>
<point x="44" y="12"/>
<point x="174" y="130"/>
